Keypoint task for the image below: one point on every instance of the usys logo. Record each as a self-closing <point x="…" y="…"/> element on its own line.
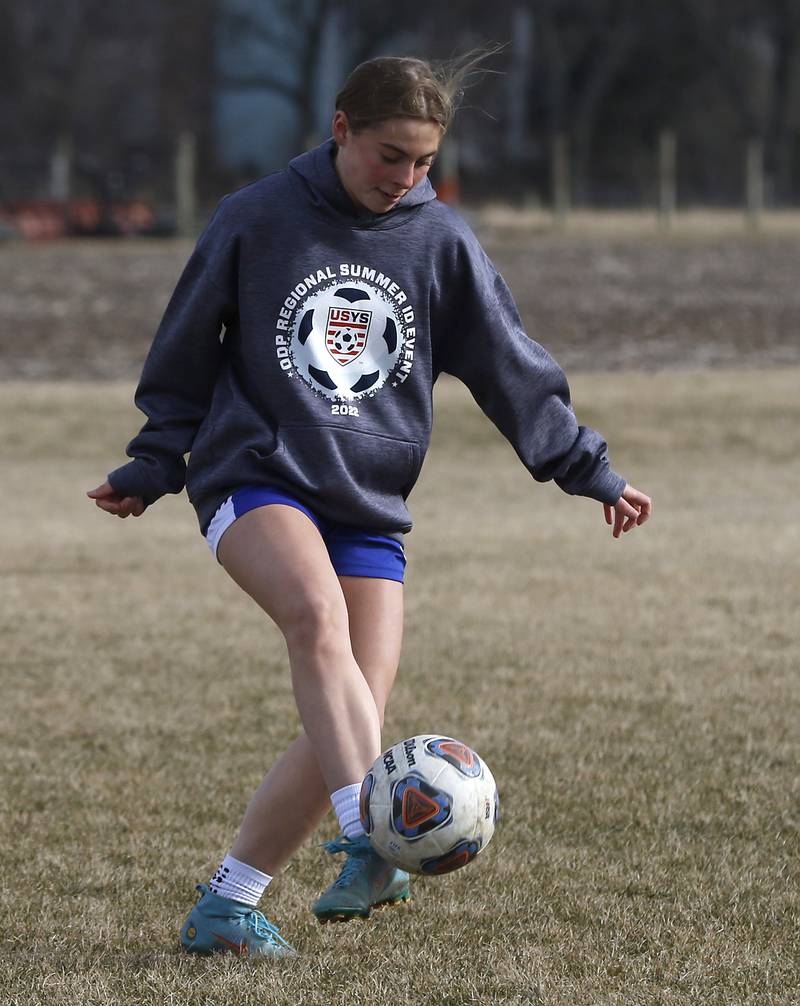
<point x="346" y="332"/>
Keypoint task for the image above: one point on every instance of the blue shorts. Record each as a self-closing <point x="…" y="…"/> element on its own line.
<point x="353" y="551"/>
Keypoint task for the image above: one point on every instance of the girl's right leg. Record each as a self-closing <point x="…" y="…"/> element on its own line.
<point x="292" y="797"/>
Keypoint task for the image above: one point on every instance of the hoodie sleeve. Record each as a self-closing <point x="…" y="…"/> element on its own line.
<point x="517" y="383"/>
<point x="179" y="373"/>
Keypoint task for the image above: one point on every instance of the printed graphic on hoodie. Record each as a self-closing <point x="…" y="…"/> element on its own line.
<point x="346" y="331"/>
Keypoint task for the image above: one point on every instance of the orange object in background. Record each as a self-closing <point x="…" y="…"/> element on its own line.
<point x="448" y="190"/>
<point x="84" y="215"/>
<point x="133" y="218"/>
<point x="36" y="219"/>
<point x="42" y="219"/>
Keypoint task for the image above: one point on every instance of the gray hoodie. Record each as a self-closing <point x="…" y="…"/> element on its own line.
<point x="302" y="342"/>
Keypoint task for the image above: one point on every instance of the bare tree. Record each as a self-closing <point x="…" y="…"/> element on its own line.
<point x="784" y="122"/>
<point x="120" y="80"/>
<point x="583" y="47"/>
<point x="754" y="49"/>
<point x="278" y="50"/>
<point x="109" y="80"/>
<point x="280" y="47"/>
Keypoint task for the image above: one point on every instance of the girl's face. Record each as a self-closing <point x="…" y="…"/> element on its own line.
<point x="378" y="165"/>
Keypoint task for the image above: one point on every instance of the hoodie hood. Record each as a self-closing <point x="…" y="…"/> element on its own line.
<point x="315" y="173"/>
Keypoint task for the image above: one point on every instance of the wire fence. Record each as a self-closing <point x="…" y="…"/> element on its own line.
<point x="67" y="194"/>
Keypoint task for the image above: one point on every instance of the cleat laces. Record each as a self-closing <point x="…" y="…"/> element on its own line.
<point x="257" y="922"/>
<point x="357" y="856"/>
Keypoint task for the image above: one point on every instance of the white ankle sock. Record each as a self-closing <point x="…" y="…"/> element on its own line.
<point x="345" y="805"/>
<point x="239" y="881"/>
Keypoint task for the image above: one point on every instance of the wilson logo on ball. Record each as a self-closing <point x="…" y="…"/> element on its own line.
<point x="457" y="754"/>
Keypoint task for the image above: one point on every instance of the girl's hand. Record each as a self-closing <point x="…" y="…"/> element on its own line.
<point x="631" y="508"/>
<point x="110" y="501"/>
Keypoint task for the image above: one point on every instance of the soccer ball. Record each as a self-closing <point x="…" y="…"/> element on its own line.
<point x="346" y="341"/>
<point x="429" y="804"/>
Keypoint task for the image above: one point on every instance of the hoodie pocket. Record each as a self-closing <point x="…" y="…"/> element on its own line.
<point x="244" y="427"/>
<point x="327" y="460"/>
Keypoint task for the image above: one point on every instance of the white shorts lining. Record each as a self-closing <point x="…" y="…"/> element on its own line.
<point x="220" y="522"/>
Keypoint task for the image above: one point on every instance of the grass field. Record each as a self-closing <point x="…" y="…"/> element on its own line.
<point x="605" y="294"/>
<point x="637" y="700"/>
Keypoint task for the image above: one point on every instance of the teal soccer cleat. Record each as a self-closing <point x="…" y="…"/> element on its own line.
<point x="219" y="925"/>
<point x="365" y="882"/>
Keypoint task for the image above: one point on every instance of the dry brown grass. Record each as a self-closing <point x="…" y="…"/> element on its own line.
<point x="605" y="294"/>
<point x="636" y="699"/>
<point x="689" y="222"/>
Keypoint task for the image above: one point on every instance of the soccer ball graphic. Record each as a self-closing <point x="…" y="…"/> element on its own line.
<point x="346" y="341"/>
<point x="429" y="804"/>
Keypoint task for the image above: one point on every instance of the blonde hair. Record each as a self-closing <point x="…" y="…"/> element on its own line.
<point x="389" y="87"/>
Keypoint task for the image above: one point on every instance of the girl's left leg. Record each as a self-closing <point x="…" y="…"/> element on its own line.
<point x="366" y="880"/>
<point x="293" y="798"/>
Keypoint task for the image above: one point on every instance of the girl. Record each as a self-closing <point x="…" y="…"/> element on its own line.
<point x="295" y="365"/>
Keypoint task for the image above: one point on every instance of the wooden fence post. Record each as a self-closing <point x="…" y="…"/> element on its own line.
<point x="559" y="167"/>
<point x="61" y="170"/>
<point x="755" y="182"/>
<point x="185" y="192"/>
<point x="667" y="158"/>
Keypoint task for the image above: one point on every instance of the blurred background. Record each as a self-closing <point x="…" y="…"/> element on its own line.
<point x="631" y="166"/>
<point x="119" y="117"/>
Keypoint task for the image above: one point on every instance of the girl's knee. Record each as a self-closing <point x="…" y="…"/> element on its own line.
<point x="315" y="625"/>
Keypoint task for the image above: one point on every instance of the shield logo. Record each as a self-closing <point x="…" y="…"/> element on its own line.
<point x="346" y="333"/>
